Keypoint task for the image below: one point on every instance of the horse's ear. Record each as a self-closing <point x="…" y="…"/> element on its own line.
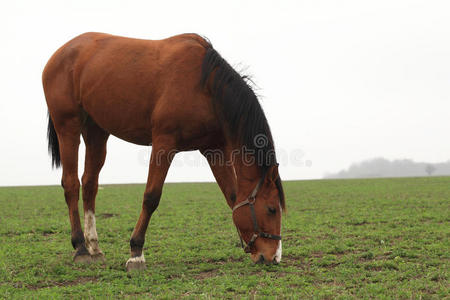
<point x="272" y="173"/>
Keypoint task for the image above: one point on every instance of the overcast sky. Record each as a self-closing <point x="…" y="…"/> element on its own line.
<point x="340" y="81"/>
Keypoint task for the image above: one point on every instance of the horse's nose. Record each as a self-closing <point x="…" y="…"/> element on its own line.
<point x="263" y="260"/>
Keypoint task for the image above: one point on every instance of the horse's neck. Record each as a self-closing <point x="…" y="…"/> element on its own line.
<point x="248" y="177"/>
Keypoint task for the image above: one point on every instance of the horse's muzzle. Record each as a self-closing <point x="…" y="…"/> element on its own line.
<point x="262" y="260"/>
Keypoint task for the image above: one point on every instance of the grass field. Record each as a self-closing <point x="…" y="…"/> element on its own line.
<point x="375" y="238"/>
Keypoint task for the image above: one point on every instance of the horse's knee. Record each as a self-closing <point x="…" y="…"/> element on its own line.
<point x="151" y="201"/>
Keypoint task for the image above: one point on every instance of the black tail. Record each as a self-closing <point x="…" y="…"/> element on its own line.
<point x="53" y="144"/>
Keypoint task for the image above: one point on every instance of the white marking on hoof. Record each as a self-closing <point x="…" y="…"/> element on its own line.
<point x="278" y="253"/>
<point x="90" y="233"/>
<point x="136" y="259"/>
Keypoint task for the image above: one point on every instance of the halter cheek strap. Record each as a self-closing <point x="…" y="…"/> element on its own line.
<point x="250" y="201"/>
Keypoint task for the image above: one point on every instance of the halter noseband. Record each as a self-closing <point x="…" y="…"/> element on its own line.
<point x="257" y="231"/>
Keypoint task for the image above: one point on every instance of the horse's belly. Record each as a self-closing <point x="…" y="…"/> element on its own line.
<point x="128" y="122"/>
<point x="136" y="137"/>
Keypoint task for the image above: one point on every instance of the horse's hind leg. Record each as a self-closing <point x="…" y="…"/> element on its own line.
<point x="68" y="130"/>
<point x="95" y="140"/>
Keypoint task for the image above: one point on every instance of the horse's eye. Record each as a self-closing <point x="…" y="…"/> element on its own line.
<point x="272" y="210"/>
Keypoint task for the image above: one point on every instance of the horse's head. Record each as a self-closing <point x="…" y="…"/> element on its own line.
<point x="257" y="217"/>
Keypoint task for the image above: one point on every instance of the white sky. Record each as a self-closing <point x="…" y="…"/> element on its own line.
<point x="341" y="81"/>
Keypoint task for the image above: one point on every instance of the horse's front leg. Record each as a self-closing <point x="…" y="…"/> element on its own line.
<point x="161" y="157"/>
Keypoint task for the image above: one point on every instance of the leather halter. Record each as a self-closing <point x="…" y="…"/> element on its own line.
<point x="250" y="201"/>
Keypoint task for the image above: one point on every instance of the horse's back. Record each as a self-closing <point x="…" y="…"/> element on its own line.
<point x="109" y="53"/>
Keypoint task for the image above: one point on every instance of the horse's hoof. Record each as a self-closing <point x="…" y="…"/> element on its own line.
<point x="98" y="257"/>
<point x="82" y="258"/>
<point x="136" y="264"/>
<point x="82" y="255"/>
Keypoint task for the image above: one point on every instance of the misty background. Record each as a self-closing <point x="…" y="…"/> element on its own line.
<point x="381" y="167"/>
<point x="341" y="82"/>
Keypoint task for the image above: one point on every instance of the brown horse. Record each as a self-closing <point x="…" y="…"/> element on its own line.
<point x="176" y="94"/>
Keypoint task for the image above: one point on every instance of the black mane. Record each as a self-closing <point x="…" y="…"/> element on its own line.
<point x="240" y="110"/>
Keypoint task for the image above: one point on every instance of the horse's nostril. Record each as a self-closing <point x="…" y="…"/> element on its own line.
<point x="261" y="259"/>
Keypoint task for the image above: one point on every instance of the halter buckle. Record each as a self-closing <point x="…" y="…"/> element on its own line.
<point x="247" y="248"/>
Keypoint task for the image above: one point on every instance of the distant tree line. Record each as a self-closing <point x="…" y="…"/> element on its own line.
<point x="381" y="167"/>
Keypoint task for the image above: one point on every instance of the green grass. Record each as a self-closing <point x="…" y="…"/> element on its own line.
<point x="374" y="238"/>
